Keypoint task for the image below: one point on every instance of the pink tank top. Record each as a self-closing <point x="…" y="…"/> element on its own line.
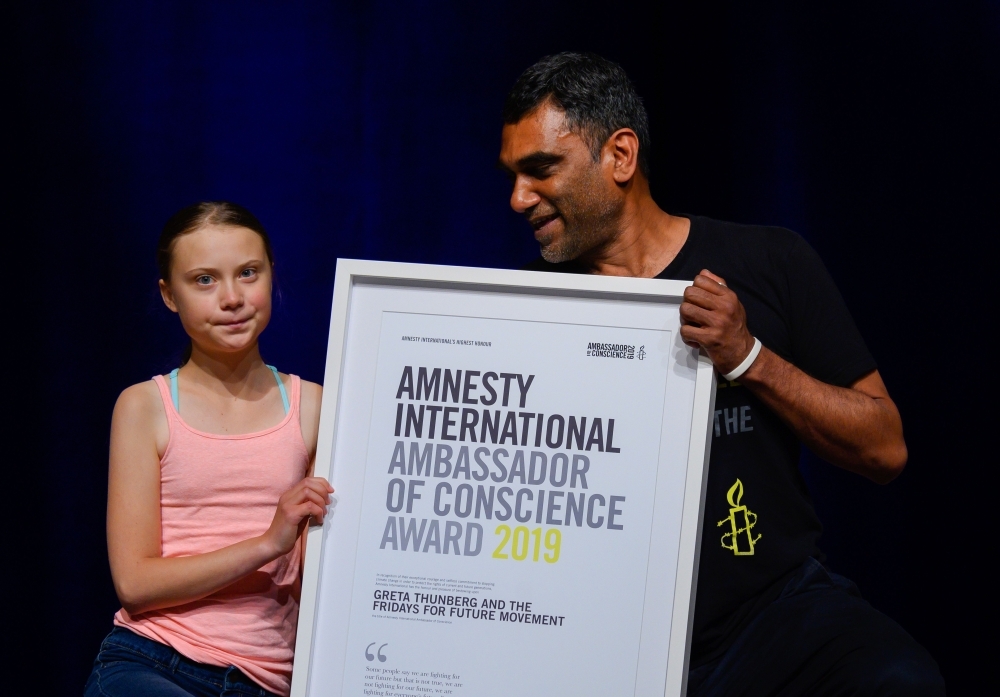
<point x="215" y="491"/>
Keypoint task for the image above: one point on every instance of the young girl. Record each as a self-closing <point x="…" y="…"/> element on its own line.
<point x="208" y="493"/>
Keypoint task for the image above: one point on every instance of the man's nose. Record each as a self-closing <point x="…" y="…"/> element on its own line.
<point x="523" y="197"/>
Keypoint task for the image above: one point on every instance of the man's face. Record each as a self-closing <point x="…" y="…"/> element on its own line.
<point x="572" y="202"/>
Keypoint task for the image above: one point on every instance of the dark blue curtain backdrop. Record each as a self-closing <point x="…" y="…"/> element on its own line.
<point x="371" y="130"/>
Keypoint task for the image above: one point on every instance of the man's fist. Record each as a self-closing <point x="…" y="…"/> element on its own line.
<point x="713" y="318"/>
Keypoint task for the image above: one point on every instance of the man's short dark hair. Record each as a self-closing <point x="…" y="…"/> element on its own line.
<point x="596" y="95"/>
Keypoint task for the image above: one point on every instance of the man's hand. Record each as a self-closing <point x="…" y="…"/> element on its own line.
<point x="857" y="427"/>
<point x="713" y="318"/>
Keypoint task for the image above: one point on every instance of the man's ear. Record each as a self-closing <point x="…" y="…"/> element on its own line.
<point x="623" y="147"/>
<point x="167" y="295"/>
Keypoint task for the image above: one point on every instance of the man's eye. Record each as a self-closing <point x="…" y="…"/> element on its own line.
<point x="248" y="273"/>
<point x="203" y="280"/>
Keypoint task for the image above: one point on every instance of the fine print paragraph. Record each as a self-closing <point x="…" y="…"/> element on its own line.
<point x="396" y="682"/>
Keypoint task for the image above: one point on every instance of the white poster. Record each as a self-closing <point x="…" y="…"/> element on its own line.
<point x="503" y="514"/>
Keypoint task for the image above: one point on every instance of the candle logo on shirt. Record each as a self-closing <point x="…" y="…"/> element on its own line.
<point x="741" y="522"/>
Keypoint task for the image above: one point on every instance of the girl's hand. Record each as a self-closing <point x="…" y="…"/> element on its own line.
<point x="307" y="499"/>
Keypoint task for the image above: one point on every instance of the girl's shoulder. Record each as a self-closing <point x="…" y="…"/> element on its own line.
<point x="141" y="399"/>
<point x="312" y="392"/>
<point x="140" y="412"/>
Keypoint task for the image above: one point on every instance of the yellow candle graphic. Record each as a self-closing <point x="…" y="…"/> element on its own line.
<point x="741" y="522"/>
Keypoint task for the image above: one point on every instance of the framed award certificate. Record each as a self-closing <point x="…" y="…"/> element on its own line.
<point x="519" y="461"/>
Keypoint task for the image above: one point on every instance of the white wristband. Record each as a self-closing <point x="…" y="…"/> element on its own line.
<point x="747" y="362"/>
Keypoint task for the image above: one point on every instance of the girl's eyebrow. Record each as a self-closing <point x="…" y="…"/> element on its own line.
<point x="209" y="269"/>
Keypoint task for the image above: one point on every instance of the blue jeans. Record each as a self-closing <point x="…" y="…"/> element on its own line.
<point x="129" y="665"/>
<point x="819" y="638"/>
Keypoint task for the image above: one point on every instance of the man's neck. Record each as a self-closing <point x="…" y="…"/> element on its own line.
<point x="647" y="241"/>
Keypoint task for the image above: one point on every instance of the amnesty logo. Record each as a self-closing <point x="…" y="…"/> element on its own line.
<point x="626" y="351"/>
<point x="741" y="522"/>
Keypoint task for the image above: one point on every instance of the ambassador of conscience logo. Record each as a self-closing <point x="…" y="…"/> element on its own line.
<point x="627" y="351"/>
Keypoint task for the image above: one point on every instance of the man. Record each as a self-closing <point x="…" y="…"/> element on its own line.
<point x="770" y="619"/>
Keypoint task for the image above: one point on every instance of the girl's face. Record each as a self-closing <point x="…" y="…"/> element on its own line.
<point x="220" y="286"/>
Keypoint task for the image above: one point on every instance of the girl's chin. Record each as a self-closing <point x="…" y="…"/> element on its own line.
<point x="234" y="343"/>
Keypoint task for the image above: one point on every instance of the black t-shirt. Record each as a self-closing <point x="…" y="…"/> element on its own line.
<point x="760" y="525"/>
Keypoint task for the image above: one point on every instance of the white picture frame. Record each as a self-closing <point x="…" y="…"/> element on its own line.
<point x="321" y="643"/>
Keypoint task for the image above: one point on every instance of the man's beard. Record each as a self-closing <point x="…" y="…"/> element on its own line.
<point x="589" y="220"/>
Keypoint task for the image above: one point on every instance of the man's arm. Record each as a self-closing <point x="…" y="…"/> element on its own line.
<point x="857" y="427"/>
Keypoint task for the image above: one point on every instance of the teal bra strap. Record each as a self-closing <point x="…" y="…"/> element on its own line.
<point x="281" y="387"/>
<point x="173" y="390"/>
<point x="177" y="408"/>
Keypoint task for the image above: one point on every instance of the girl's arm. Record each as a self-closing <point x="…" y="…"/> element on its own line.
<point x="311" y="397"/>
<point x="143" y="579"/>
<point x="310" y="401"/>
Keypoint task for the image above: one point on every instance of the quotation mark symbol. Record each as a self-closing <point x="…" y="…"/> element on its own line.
<point x="368" y="652"/>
